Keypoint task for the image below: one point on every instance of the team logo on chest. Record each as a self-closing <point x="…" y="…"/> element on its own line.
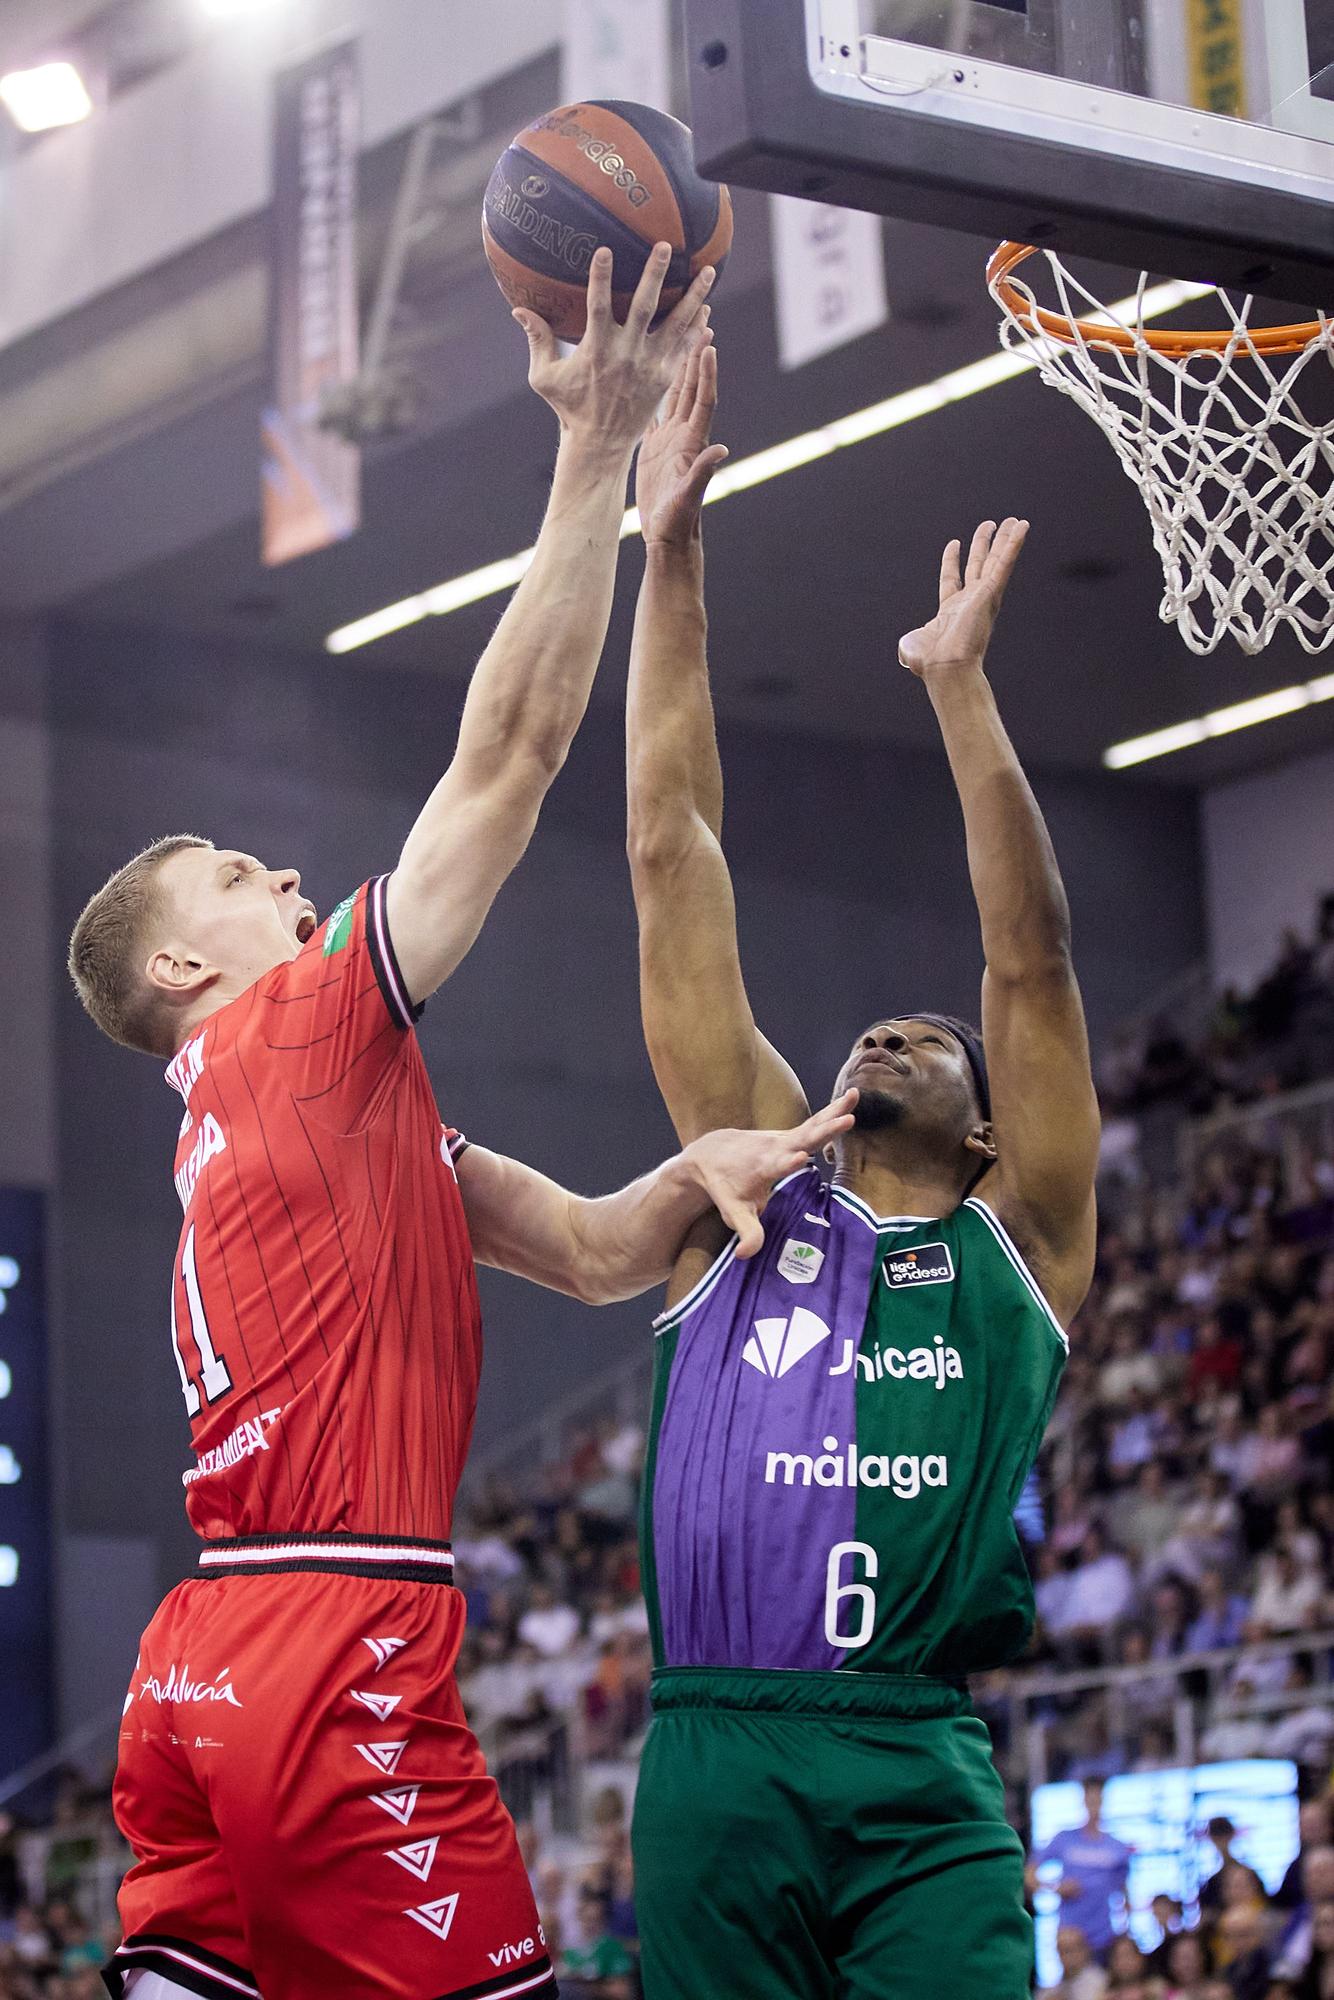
<point x="800" y="1262"/>
<point x="928" y="1264"/>
<point x="777" y="1345"/>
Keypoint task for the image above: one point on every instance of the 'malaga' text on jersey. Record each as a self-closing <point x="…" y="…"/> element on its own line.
<point x="842" y="1426"/>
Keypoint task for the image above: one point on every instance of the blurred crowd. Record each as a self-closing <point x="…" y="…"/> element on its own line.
<point x="1188" y="1473"/>
<point x="57" y="1889"/>
<point x="1236" y="1943"/>
<point x="1251" y="1045"/>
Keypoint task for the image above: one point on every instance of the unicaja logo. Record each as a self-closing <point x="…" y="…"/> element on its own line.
<point x="777" y="1345"/>
<point x="178" y="1686"/>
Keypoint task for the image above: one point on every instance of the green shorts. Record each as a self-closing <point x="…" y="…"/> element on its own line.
<point x="834" y="1836"/>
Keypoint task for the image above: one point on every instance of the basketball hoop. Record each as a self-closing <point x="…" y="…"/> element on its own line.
<point x="1239" y="483"/>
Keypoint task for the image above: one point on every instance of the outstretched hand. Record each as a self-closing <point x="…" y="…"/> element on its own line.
<point x="609" y="388"/>
<point x="676" y="459"/>
<point x="739" y="1170"/>
<point x="959" y="633"/>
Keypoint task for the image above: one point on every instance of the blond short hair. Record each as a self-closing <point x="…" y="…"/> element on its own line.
<point x="110" y="942"/>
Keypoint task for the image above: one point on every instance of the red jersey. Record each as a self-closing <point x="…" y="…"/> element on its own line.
<point x="324" y="1302"/>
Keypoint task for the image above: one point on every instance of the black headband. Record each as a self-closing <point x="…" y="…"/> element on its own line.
<point x="971" y="1043"/>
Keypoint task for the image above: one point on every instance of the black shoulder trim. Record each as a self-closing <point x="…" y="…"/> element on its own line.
<point x="381" y="947"/>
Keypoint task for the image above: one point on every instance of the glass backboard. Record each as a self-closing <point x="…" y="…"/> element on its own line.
<point x="1192" y="138"/>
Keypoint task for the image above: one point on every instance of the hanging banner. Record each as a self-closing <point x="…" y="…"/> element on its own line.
<point x="312" y="479"/>
<point x="618" y="48"/>
<point x="1216" y="33"/>
<point x="829" y="277"/>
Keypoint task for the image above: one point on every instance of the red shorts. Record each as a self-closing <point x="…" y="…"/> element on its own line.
<point x="310" y="1814"/>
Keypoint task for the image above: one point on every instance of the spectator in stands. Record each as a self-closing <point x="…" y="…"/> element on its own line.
<point x="1220" y="1615"/>
<point x="1102" y="1593"/>
<point x="1131" y="1366"/>
<point x="1136" y="1435"/>
<point x="1315" y="1828"/>
<point x="1306" y="1733"/>
<point x="1082" y="1978"/>
<point x="595" y="1965"/>
<point x="1208" y="1534"/>
<point x="1147" y="1516"/>
<point x="1295" y="1947"/>
<point x="1185" y="1966"/>
<point x="1127" y="1967"/>
<point x="1216" y="1360"/>
<point x="1269" y="1465"/>
<point x="548" y="1626"/>
<point x="1051" y="1594"/>
<point x="1243" y="1943"/>
<point x="32" y="1943"/>
<point x="1289" y="1599"/>
<point x="1094" y="1866"/>
<point x="1242" y="1882"/>
<point x="1317" y="1983"/>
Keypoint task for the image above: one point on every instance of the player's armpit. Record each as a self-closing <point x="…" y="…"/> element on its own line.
<point x="452" y="868"/>
<point x="1046" y="1124"/>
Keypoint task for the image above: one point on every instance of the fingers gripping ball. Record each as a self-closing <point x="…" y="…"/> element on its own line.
<point x="587" y="174"/>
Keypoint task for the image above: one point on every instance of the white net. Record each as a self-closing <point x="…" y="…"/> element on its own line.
<point x="1238" y="480"/>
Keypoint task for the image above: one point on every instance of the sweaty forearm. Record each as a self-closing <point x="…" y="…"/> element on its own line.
<point x="532" y="684"/>
<point x="1017" y="885"/>
<point x="628" y="1242"/>
<point x="673" y="766"/>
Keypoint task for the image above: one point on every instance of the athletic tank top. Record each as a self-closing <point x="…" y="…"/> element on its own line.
<point x="841" y="1429"/>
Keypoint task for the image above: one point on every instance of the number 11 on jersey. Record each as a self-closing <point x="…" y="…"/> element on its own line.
<point x="213" y="1369"/>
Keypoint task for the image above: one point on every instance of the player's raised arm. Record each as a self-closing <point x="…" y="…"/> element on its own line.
<point x="1045" y="1113"/>
<point x="712" y="1064"/>
<point x="619" y="1245"/>
<point x="532" y="684"/>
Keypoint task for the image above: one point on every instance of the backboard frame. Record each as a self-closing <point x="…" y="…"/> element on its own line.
<point x="761" y="120"/>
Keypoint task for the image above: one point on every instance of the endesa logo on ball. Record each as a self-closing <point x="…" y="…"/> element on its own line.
<point x="601" y="153"/>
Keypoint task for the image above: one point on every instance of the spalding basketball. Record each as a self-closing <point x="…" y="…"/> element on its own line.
<point x="589" y="174"/>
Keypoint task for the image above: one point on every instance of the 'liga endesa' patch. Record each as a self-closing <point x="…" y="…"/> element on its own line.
<point x="928" y="1264"/>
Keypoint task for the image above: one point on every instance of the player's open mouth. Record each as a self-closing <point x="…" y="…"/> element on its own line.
<point x="306" y="926"/>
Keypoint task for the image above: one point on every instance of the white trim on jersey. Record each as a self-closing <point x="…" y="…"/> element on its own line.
<point x="525" y="1985"/>
<point x="141" y="1985"/>
<point x="865" y="1213"/>
<point x="1012" y="1251"/>
<point x="293" y="1549"/>
<point x="180" y="1956"/>
<point x="377" y="919"/>
<point x="697" y="1294"/>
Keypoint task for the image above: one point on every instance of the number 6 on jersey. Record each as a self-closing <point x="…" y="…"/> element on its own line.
<point x="213" y="1369"/>
<point x="835" y="1592"/>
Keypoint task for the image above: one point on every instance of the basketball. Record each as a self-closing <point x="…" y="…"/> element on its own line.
<point x="588" y="174"/>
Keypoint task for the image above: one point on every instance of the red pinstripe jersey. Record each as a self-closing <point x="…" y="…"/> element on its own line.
<point x="324" y="1302"/>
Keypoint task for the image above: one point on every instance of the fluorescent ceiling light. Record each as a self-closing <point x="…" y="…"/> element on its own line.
<point x="1219" y="722"/>
<point x="40" y="99"/>
<point x="738" y="475"/>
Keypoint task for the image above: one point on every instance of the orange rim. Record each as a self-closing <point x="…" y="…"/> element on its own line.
<point x="1175" y="343"/>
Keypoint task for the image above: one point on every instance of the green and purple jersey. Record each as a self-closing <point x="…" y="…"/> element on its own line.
<point x="841" y="1429"/>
